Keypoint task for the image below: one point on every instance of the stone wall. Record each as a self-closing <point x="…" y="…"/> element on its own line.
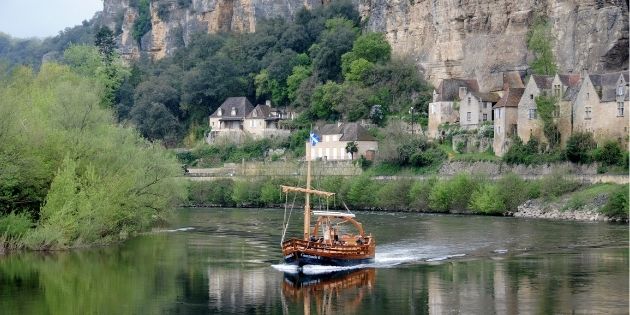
<point x="278" y="168"/>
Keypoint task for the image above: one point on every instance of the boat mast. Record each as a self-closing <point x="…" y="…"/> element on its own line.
<point x="307" y="203"/>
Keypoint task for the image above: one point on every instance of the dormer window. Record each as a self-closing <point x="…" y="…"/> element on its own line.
<point x="620" y="90"/>
<point x="462" y="90"/>
<point x="233" y="112"/>
<point x="254" y="114"/>
<point x="220" y="112"/>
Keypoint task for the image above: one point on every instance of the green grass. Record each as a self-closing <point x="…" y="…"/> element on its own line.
<point x="468" y="157"/>
<point x="580" y="198"/>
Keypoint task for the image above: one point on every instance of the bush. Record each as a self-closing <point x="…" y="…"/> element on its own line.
<point x="617" y="205"/>
<point x="555" y="185"/>
<point x="513" y="191"/>
<point x="579" y="146"/>
<point x="487" y="200"/>
<point x="609" y="154"/>
<point x="453" y="194"/>
<point x="245" y="193"/>
<point x="362" y="192"/>
<point x="393" y="195"/>
<point x="15" y="225"/>
<point x="218" y="192"/>
<point x="419" y="194"/>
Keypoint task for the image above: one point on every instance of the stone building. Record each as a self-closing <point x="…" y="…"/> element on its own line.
<point x="475" y="109"/>
<point x="601" y="106"/>
<point x="237" y="117"/>
<point x="335" y="137"/>
<point x="505" y="119"/>
<point x="444" y="107"/>
<point x="563" y="88"/>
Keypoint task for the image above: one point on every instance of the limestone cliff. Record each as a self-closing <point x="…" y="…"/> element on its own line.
<point x="481" y="38"/>
<point x="446" y="38"/>
<point x="174" y="21"/>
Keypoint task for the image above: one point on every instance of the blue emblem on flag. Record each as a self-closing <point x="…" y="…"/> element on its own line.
<point x="314" y="139"/>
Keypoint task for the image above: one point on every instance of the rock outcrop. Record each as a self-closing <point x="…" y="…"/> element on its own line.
<point x="480" y="39"/>
<point x="174" y="21"/>
<point x="446" y="38"/>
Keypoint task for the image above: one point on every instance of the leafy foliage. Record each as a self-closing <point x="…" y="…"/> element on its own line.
<point x="540" y="41"/>
<point x="92" y="182"/>
<point x="579" y="146"/>
<point x="142" y="24"/>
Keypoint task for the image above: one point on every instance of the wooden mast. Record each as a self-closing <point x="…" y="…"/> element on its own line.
<point x="307" y="203"/>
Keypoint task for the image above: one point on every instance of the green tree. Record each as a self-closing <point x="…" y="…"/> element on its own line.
<point x="352" y="148"/>
<point x="487" y="200"/>
<point x="579" y="146"/>
<point x="609" y="154"/>
<point x="104" y="40"/>
<point x="142" y="24"/>
<point x="540" y="41"/>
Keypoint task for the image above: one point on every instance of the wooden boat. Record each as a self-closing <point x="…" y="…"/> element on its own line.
<point x="331" y="247"/>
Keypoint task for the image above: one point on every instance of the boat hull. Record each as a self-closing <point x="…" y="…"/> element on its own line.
<point x="301" y="259"/>
<point x="300" y="253"/>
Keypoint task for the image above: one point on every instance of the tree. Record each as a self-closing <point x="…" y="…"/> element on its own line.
<point x="334" y="42"/>
<point x="352" y="148"/>
<point x="539" y="41"/>
<point x="579" y="146"/>
<point x="104" y="40"/>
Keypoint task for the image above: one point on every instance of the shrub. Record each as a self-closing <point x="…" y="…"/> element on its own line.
<point x="419" y="194"/>
<point x="487" y="200"/>
<point x="361" y="193"/>
<point x="246" y="193"/>
<point x="142" y="24"/>
<point x="617" y="205"/>
<point x="609" y="154"/>
<point x="579" y="146"/>
<point x="15" y="225"/>
<point x="393" y="195"/>
<point x="513" y="191"/>
<point x="270" y="192"/>
<point x="554" y="185"/>
<point x="453" y="194"/>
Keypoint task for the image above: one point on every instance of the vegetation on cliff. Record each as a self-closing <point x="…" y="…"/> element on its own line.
<point x="71" y="176"/>
<point x="320" y="64"/>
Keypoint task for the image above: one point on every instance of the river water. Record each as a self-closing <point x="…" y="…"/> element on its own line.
<point x="227" y="261"/>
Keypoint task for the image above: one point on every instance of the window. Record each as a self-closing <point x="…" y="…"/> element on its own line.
<point x="469" y="100"/>
<point x="485" y="117"/>
<point x="587" y="95"/>
<point x="620" y="90"/>
<point x="233" y="113"/>
<point x="620" y="109"/>
<point x="532" y="113"/>
<point x="485" y="105"/>
<point x="498" y="113"/>
<point x="499" y="129"/>
<point x="462" y="90"/>
<point x="220" y="112"/>
<point x="468" y="116"/>
<point x="556" y="90"/>
<point x="556" y="111"/>
<point x="531" y="96"/>
<point x="587" y="113"/>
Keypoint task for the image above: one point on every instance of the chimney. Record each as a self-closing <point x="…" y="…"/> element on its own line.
<point x="268" y="103"/>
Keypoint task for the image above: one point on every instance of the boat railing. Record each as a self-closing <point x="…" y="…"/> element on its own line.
<point x="327" y="247"/>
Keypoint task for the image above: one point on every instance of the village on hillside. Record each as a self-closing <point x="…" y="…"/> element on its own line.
<point x="585" y="102"/>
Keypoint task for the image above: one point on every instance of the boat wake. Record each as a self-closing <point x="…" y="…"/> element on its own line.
<point x="386" y="257"/>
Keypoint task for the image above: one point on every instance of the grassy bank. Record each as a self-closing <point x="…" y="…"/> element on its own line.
<point x="459" y="194"/>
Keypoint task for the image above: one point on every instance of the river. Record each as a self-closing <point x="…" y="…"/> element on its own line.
<point x="227" y="261"/>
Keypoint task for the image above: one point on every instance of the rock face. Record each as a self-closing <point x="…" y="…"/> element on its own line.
<point x="480" y="38"/>
<point x="446" y="38"/>
<point x="174" y="21"/>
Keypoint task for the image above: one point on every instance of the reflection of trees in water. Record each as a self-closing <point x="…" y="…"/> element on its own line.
<point x="333" y="293"/>
<point x="137" y="278"/>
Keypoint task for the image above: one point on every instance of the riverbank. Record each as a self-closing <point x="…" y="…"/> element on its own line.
<point x="553" y="196"/>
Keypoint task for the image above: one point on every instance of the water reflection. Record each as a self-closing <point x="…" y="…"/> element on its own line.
<point x="339" y="292"/>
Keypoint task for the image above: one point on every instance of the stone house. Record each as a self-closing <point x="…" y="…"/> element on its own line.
<point x="444" y="107"/>
<point x="505" y="119"/>
<point x="335" y="137"/>
<point x="237" y="117"/>
<point x="563" y="87"/>
<point x="476" y="108"/>
<point x="601" y="105"/>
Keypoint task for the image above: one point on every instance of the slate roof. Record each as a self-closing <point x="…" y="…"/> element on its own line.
<point x="241" y="104"/>
<point x="606" y="85"/>
<point x="349" y="132"/>
<point x="511" y="98"/>
<point x="543" y="82"/>
<point x="571" y="93"/>
<point x="487" y="97"/>
<point x="261" y="112"/>
<point x="448" y="89"/>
